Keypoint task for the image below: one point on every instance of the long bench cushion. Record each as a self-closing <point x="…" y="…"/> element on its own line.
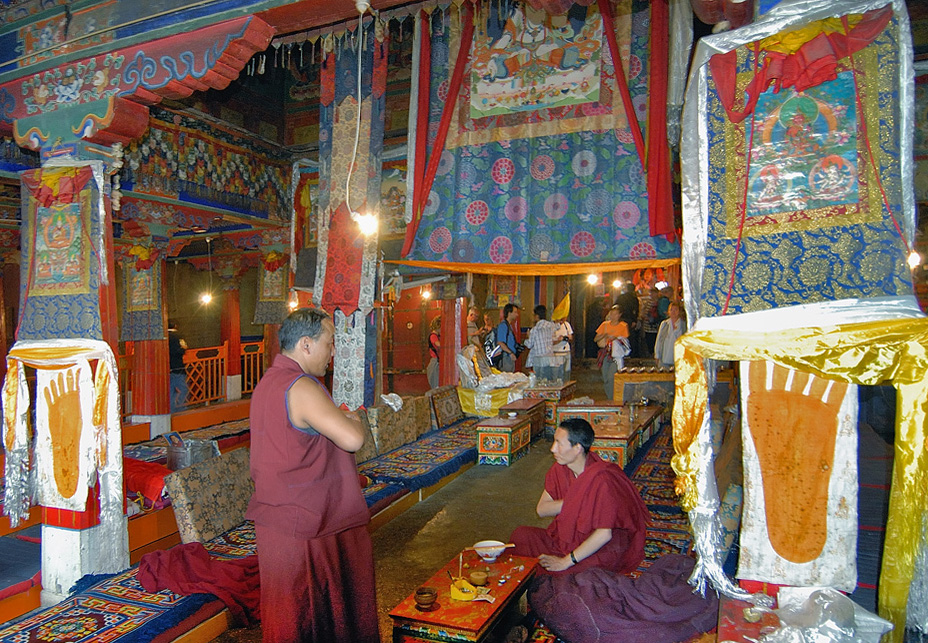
<point x="211" y="497"/>
<point x="446" y="407"/>
<point x="422" y="463"/>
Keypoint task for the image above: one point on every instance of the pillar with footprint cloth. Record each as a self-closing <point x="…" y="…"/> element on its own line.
<point x="799" y="219"/>
<point x="70" y="461"/>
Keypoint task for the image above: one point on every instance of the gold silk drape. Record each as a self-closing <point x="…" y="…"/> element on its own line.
<point x="881" y="352"/>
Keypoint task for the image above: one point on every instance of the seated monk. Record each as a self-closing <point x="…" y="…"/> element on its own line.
<point x="599" y="518"/>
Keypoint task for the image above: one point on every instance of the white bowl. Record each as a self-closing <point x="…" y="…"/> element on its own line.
<point x="493" y="548"/>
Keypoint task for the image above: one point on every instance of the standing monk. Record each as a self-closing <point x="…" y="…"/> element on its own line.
<point x="314" y="553"/>
<point x="599" y="518"/>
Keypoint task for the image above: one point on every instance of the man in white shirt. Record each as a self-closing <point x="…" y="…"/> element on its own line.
<point x="668" y="333"/>
<point x="563" y="342"/>
<point x="541" y="342"/>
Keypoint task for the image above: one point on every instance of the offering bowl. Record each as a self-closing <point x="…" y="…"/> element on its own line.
<point x="489" y="550"/>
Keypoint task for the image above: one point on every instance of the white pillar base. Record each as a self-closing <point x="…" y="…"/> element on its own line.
<point x="233" y="387"/>
<point x="160" y="424"/>
<point x="67" y="556"/>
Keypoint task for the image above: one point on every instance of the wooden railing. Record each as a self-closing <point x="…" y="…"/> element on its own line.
<point x="252" y="365"/>
<point x="206" y="374"/>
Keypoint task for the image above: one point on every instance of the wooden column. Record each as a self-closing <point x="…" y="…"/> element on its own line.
<point x="453" y="328"/>
<point x="150" y="378"/>
<point x="230" y="329"/>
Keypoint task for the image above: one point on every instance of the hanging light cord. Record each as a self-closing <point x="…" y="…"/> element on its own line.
<point x="357" y="129"/>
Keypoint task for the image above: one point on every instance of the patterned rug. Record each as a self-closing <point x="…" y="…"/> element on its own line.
<point x="116" y="608"/>
<point x="669" y="531"/>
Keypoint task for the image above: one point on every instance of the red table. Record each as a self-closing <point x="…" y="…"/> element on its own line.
<point x="465" y="620"/>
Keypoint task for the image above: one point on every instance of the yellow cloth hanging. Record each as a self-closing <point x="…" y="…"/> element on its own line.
<point x="882" y="352"/>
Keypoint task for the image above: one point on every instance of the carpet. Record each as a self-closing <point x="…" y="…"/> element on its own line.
<point x="117" y="609"/>
<point x="114" y="609"/>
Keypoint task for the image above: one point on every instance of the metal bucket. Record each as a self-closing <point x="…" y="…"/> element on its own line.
<point x="190" y="452"/>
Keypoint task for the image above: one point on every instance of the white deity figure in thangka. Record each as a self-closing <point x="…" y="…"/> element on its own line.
<point x="833" y="178"/>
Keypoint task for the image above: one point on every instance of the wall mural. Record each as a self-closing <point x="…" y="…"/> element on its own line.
<point x="182" y="158"/>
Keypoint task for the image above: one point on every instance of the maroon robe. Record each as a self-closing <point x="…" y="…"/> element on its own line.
<point x="316" y="559"/>
<point x="602" y="497"/>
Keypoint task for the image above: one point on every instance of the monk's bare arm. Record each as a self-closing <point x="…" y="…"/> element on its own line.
<point x="310" y="407"/>
<point x="587" y="548"/>
<point x="548" y="506"/>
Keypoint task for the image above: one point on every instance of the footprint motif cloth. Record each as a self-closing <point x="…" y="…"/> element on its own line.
<point x="799" y="525"/>
<point x="65" y="445"/>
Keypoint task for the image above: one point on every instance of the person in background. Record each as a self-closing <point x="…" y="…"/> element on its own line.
<point x="563" y="343"/>
<point x="490" y="320"/>
<point x="473" y="315"/>
<point x="315" y="558"/>
<point x="506" y="338"/>
<point x="612" y="339"/>
<point x="671" y="329"/>
<point x="178" y="382"/>
<point x="600" y="519"/>
<point x="628" y="313"/>
<point x="540" y="343"/>
<point x="431" y="370"/>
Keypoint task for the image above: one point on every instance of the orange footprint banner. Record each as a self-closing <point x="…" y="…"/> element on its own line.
<point x="65" y="436"/>
<point x="800" y="478"/>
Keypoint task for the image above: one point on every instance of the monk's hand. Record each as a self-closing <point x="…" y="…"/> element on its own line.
<point x="554" y="563"/>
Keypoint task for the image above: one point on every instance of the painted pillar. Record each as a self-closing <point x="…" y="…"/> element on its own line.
<point x="230" y="329"/>
<point x="68" y="254"/>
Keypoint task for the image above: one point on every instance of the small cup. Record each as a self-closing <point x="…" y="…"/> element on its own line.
<point x="478" y="578"/>
<point x="512" y="414"/>
<point x="425" y="597"/>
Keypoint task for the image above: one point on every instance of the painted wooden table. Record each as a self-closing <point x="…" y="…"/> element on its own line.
<point x="619" y="429"/>
<point x="637" y="374"/>
<point x="453" y="620"/>
<point x="503" y="440"/>
<point x="534" y="409"/>
<point x="553" y="396"/>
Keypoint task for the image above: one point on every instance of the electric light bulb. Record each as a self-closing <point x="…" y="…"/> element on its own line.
<point x="592" y="279"/>
<point x="426" y="294"/>
<point x="368" y="224"/>
<point x="293" y="304"/>
<point x="616" y="284"/>
<point x="914" y="260"/>
<point x="206" y="298"/>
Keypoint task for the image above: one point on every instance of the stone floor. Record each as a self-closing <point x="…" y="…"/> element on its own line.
<point x="482" y="503"/>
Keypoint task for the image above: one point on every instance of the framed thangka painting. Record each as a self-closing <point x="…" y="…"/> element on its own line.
<point x="61" y="253"/>
<point x="795" y="188"/>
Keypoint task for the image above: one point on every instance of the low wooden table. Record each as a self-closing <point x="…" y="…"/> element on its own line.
<point x="533" y="409"/>
<point x="503" y="440"/>
<point x="453" y="620"/>
<point x="553" y="396"/>
<point x="619" y="429"/>
<point x="638" y="374"/>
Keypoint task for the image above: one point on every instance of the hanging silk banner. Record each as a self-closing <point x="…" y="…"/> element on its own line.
<point x="60" y="255"/>
<point x="142" y="316"/>
<point x="532" y="179"/>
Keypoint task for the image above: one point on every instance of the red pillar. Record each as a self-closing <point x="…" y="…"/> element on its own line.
<point x="150" y="378"/>
<point x="230" y="329"/>
<point x="452" y="328"/>
<point x="271" y="343"/>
